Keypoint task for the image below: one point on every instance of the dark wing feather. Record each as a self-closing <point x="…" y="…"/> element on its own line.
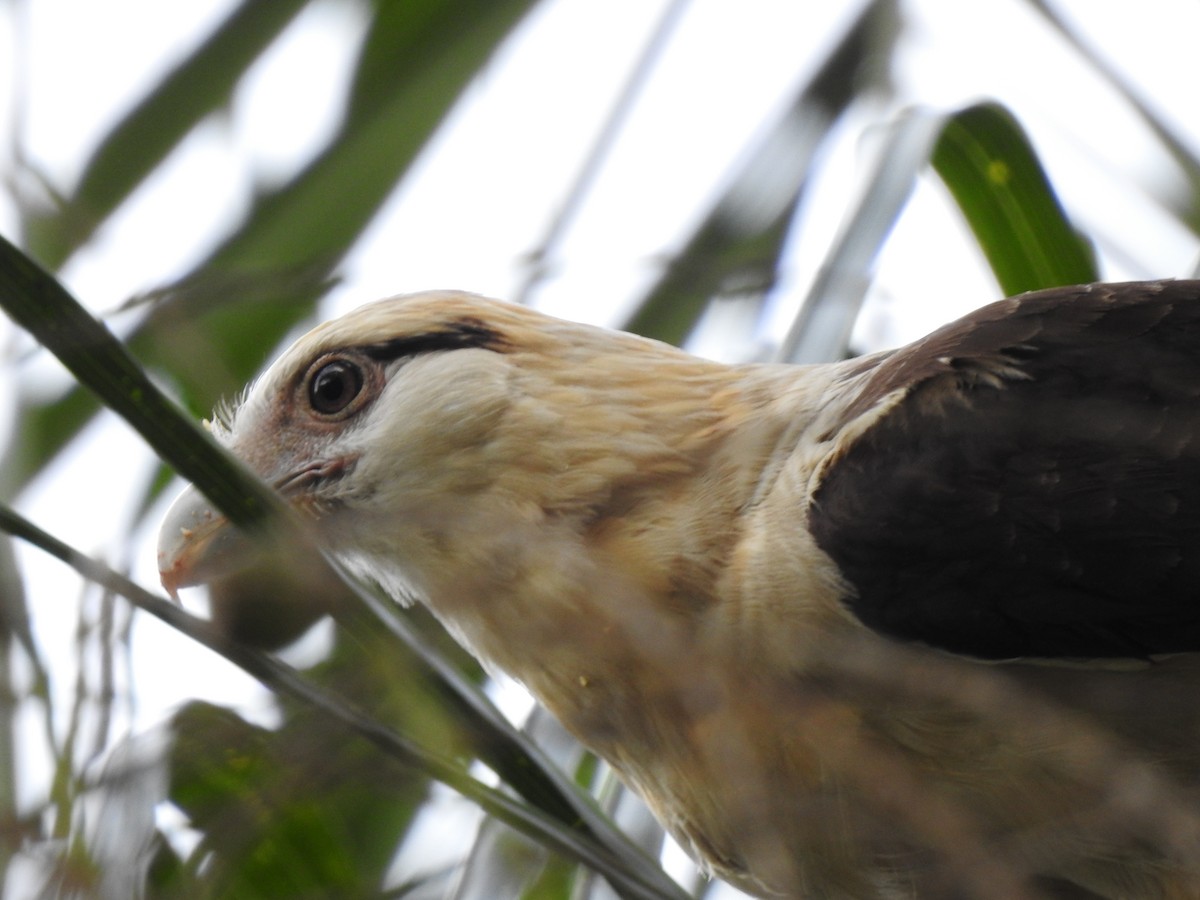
<point x="1036" y="492"/>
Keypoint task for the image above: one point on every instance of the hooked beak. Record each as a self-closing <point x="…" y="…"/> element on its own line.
<point x="197" y="544"/>
<point x="265" y="588"/>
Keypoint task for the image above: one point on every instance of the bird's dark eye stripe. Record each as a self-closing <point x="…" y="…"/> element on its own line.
<point x="458" y="335"/>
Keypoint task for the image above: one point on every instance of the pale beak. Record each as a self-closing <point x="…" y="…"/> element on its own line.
<point x="265" y="587"/>
<point x="197" y="544"/>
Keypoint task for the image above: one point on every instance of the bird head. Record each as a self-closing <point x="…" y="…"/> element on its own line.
<point x="435" y="439"/>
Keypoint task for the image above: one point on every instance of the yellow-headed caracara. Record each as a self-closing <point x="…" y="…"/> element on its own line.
<point x="721" y="577"/>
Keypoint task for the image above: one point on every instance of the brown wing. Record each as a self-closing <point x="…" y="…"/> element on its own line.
<point x="1037" y="490"/>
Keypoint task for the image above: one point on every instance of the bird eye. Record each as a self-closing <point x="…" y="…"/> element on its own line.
<point x="335" y="386"/>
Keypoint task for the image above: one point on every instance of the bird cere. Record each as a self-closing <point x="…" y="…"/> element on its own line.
<point x="919" y="624"/>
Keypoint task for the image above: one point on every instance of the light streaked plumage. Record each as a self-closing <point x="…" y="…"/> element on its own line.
<point x="722" y="578"/>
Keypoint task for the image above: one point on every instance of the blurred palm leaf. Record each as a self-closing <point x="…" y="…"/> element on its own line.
<point x="987" y="162"/>
<point x="736" y="249"/>
<point x="821" y="330"/>
<point x="195" y="88"/>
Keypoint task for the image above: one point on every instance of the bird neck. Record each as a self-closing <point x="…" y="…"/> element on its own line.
<point x="609" y="573"/>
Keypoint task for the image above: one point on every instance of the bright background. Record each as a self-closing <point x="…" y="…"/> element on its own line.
<point x="1117" y="134"/>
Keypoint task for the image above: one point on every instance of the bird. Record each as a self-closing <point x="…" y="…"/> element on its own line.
<point x="919" y="623"/>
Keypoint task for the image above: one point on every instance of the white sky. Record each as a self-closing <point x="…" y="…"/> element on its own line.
<point x="483" y="192"/>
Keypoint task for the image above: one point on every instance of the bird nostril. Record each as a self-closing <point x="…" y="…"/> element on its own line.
<point x="318" y="472"/>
